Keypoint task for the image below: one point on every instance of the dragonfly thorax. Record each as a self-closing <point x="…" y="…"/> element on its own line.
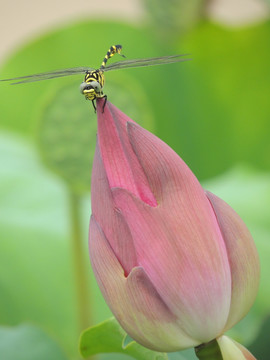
<point x="95" y="75"/>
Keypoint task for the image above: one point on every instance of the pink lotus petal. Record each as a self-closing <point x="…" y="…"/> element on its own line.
<point x="195" y="286"/>
<point x="120" y="163"/>
<point x="109" y="218"/>
<point x="243" y="258"/>
<point x="133" y="300"/>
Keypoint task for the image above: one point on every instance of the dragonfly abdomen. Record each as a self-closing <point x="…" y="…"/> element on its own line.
<point x="115" y="49"/>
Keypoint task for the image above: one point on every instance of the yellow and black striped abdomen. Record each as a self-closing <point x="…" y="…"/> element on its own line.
<point x="115" y="49"/>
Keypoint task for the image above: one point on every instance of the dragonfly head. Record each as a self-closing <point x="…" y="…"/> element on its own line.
<point x="91" y="90"/>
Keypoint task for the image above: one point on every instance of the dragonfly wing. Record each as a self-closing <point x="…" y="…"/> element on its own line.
<point x="146" y="62"/>
<point x="48" y="75"/>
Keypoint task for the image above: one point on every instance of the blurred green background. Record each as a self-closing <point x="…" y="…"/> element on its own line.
<point x="214" y="111"/>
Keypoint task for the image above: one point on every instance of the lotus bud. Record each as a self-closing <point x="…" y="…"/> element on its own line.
<point x="176" y="265"/>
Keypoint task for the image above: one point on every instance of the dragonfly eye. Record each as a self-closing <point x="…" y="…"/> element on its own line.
<point x="88" y="86"/>
<point x="85" y="86"/>
<point x="96" y="86"/>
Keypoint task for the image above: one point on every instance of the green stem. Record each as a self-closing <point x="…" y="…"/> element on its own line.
<point x="81" y="280"/>
<point x="209" y="351"/>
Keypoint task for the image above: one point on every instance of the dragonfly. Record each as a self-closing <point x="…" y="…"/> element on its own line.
<point x="92" y="86"/>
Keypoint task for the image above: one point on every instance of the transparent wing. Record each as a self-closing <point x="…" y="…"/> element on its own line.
<point x="48" y="75"/>
<point x="114" y="66"/>
<point x="146" y="62"/>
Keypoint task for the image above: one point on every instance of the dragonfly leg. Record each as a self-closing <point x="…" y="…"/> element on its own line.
<point x="105" y="101"/>
<point x="94" y="106"/>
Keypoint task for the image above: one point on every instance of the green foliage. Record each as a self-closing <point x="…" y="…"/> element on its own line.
<point x="70" y="47"/>
<point x="36" y="278"/>
<point x="37" y="281"/>
<point x="27" y="342"/>
<point x="171" y="18"/>
<point x="109" y="337"/>
<point x="218" y="111"/>
<point x="260" y="345"/>
<point x="188" y="354"/>
<point x="66" y="137"/>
